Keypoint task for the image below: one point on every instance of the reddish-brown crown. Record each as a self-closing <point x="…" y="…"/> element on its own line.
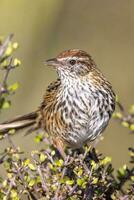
<point x="73" y="53"/>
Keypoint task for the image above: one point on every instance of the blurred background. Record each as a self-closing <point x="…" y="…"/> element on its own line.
<point x="44" y="28"/>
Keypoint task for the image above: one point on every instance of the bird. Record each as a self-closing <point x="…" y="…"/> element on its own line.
<point x="76" y="108"/>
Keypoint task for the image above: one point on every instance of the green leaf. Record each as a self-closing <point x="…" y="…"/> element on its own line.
<point x="6" y="104"/>
<point x="13" y="87"/>
<point x="125" y="124"/>
<point x="132" y="127"/>
<point x="80" y="172"/>
<point x="11" y="131"/>
<point x="42" y="157"/>
<point x="53" y="153"/>
<point x="31" y="166"/>
<point x="9" y="50"/>
<point x="122" y="170"/>
<point x="38" y="138"/>
<point x="4" y="183"/>
<point x="15" y="45"/>
<point x="95" y="180"/>
<point x="14" y="195"/>
<point x="59" y="162"/>
<point x="117" y="115"/>
<point x="132" y="178"/>
<point x="80" y="181"/>
<point x="117" y="98"/>
<point x="31" y="182"/>
<point x="131" y="110"/>
<point x="16" y="62"/>
<point x="93" y="164"/>
<point x="26" y="162"/>
<point x="106" y="160"/>
<point x="70" y="182"/>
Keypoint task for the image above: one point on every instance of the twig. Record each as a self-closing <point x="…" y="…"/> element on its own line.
<point x="121" y="107"/>
<point x="11" y="185"/>
<point x="5" y="44"/>
<point x="7" y="136"/>
<point x="71" y="192"/>
<point x="31" y="196"/>
<point x="125" y="179"/>
<point x="50" y="157"/>
<point x="8" y="68"/>
<point x="3" y="157"/>
<point x="3" y="85"/>
<point x="44" y="187"/>
<point x="56" y="197"/>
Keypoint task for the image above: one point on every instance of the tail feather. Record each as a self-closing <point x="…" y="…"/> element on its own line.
<point x="19" y="122"/>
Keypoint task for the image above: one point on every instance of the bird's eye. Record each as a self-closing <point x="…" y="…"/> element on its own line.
<point x="72" y="62"/>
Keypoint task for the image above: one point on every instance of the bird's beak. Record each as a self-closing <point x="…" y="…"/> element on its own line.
<point x="52" y="62"/>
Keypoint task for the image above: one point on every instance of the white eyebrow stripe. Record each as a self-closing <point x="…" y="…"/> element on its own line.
<point x="75" y="58"/>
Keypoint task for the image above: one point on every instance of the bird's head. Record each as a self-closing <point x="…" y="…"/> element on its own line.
<point x="72" y="63"/>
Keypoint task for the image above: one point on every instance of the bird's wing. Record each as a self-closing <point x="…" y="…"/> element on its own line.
<point x="51" y="92"/>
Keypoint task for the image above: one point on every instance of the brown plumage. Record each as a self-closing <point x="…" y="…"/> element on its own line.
<point x="77" y="107"/>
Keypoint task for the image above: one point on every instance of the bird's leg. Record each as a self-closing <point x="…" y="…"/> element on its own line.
<point x="59" y="146"/>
